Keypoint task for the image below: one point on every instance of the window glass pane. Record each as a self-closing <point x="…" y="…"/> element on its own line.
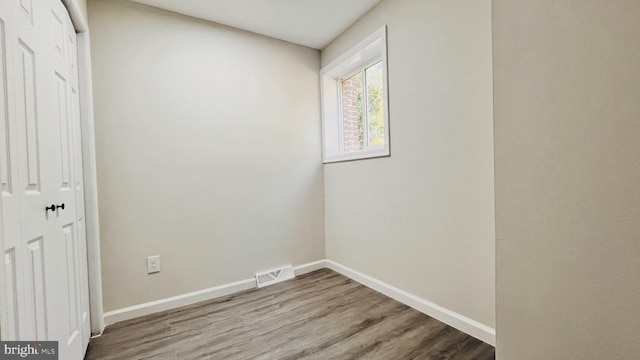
<point x="353" y="124"/>
<point x="375" y="105"/>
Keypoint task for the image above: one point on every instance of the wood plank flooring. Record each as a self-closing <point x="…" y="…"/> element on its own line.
<point x="320" y="315"/>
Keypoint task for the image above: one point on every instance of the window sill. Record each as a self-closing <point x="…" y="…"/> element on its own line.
<point x="359" y="155"/>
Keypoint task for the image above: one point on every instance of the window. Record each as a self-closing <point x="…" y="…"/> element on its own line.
<point x="354" y="102"/>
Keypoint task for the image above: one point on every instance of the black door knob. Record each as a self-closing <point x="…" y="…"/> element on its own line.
<point x="52" y="208"/>
<point x="60" y="206"/>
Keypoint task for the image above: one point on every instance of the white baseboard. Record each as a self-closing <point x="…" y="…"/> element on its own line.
<point x="460" y="322"/>
<point x="112" y="317"/>
<point x="312" y="266"/>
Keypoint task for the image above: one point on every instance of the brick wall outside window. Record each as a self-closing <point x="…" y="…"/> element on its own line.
<point x="351" y="101"/>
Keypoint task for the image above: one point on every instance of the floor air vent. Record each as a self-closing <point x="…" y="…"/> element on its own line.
<point x="274" y="276"/>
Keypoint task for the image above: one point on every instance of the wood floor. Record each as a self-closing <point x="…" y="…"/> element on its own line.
<point x="321" y="315"/>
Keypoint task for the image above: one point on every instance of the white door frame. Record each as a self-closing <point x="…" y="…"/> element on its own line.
<point x="89" y="165"/>
<point x="90" y="183"/>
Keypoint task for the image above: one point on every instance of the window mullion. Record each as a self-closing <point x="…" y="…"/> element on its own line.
<point x="340" y="118"/>
<point x="365" y="111"/>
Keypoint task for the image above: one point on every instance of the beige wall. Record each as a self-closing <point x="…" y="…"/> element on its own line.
<point x="208" y="152"/>
<point x="423" y="219"/>
<point x="567" y="144"/>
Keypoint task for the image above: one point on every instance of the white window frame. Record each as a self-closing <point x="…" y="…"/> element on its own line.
<point x="366" y="53"/>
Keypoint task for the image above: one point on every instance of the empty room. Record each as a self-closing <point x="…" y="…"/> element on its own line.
<point x="320" y="179"/>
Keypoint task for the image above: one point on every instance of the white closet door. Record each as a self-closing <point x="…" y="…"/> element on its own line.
<point x="44" y="250"/>
<point x="35" y="164"/>
<point x="11" y="190"/>
<point x="78" y="186"/>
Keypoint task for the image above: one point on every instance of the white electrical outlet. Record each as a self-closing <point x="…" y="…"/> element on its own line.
<point x="153" y="264"/>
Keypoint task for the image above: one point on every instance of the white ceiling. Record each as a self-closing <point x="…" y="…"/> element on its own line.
<point x="313" y="23"/>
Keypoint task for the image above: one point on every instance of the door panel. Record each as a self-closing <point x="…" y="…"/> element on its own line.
<point x="27" y="10"/>
<point x="5" y="148"/>
<point x="58" y="31"/>
<point x="36" y="326"/>
<point x="63" y="120"/>
<point x="28" y="141"/>
<point x="71" y="261"/>
<point x="11" y="291"/>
